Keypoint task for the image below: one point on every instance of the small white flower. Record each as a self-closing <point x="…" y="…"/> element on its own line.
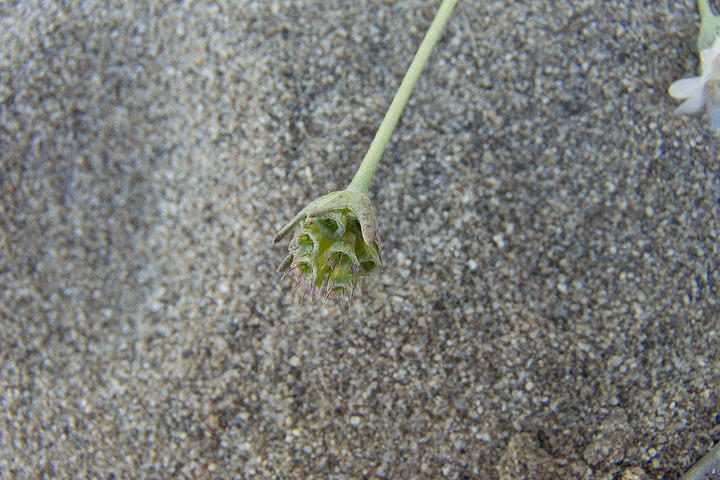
<point x="702" y="91"/>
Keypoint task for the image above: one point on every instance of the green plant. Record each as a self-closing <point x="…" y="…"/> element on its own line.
<point x="709" y="25"/>
<point x="703" y="91"/>
<point x="336" y="240"/>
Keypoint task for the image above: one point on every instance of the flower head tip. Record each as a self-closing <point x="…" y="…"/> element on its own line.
<point x="336" y="242"/>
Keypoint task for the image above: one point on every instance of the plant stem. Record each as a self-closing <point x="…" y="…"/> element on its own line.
<point x="709" y="24"/>
<point x="704" y="8"/>
<point x="364" y="175"/>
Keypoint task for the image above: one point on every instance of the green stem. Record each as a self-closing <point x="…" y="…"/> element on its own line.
<point x="364" y="175"/>
<point x="704" y="8"/>
<point x="709" y="24"/>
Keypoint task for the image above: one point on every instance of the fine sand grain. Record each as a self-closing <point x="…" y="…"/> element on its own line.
<point x="549" y="303"/>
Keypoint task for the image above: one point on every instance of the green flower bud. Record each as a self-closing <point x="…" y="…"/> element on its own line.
<point x="336" y="242"/>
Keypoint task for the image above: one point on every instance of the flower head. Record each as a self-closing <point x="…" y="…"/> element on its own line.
<point x="336" y="244"/>
<point x="704" y="90"/>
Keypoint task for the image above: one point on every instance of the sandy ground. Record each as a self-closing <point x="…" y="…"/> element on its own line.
<point x="549" y="303"/>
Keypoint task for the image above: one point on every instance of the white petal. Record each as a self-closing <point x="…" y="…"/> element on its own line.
<point x="712" y="69"/>
<point x="713" y="117"/>
<point x="693" y="104"/>
<point x="687" y="87"/>
<point x="710" y="54"/>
